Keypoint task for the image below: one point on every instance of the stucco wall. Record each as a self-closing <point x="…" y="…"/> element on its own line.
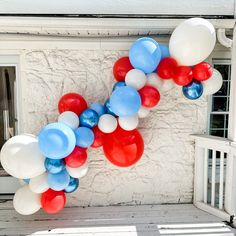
<point x="165" y="172"/>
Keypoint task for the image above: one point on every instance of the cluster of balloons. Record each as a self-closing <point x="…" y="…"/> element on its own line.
<point x="52" y="163"/>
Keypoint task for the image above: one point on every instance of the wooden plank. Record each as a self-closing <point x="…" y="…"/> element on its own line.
<point x="125" y="7"/>
<point x="114" y="220"/>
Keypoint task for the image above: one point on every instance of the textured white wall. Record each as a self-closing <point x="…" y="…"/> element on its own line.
<point x="165" y="172"/>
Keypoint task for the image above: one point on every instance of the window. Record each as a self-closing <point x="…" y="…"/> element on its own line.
<point x="219" y="102"/>
<point x="8" y="113"/>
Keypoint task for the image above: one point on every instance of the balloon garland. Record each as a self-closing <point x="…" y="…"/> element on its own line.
<point x="52" y="163"/>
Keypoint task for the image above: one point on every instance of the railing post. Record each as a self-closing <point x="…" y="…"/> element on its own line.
<point x="198" y="174"/>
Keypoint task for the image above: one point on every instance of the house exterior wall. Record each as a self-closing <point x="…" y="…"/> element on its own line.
<point x="165" y="172"/>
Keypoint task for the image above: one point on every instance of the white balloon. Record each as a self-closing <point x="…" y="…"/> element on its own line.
<point x="128" y="123"/>
<point x="154" y="80"/>
<point x="78" y="172"/>
<point x="136" y="79"/>
<point x="213" y="84"/>
<point x="192" y="41"/>
<point x="20" y="157"/>
<point x="69" y="118"/>
<point x="39" y="184"/>
<point x="107" y="123"/>
<point x="26" y="202"/>
<point x="167" y="85"/>
<point x="143" y="112"/>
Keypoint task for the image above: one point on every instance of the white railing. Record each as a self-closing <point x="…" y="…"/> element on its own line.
<point x="215" y="176"/>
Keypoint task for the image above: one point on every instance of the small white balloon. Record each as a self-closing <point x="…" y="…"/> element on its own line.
<point x="136" y="79"/>
<point x="167" y="85"/>
<point x="107" y="123"/>
<point x="79" y="172"/>
<point x="26" y="202"/>
<point x="69" y="118"/>
<point x="143" y="112"/>
<point x="213" y="84"/>
<point x="128" y="123"/>
<point x="20" y="157"/>
<point x="154" y="80"/>
<point x="192" y="41"/>
<point x="39" y="184"/>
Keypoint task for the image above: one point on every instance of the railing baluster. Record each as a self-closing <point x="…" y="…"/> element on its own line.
<point x="213" y="177"/>
<point x="221" y="187"/>
<point x="205" y="191"/>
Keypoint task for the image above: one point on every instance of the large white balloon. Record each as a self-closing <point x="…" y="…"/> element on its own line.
<point x="20" y="157"/>
<point x="39" y="184"/>
<point x="26" y="202"/>
<point x="128" y="123"/>
<point x="107" y="123"/>
<point x="213" y="84"/>
<point x="69" y="118"/>
<point x="136" y="79"/>
<point x="143" y="112"/>
<point x="192" y="41"/>
<point x="78" y="172"/>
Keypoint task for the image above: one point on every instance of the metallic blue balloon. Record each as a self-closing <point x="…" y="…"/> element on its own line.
<point x="73" y="185"/>
<point x="99" y="108"/>
<point x="193" y="90"/>
<point x="54" y="166"/>
<point x="108" y="108"/>
<point x="118" y="85"/>
<point x="88" y="118"/>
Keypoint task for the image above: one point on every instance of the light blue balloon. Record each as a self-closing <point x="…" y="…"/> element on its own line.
<point x="72" y="186"/>
<point x="108" y="108"/>
<point x="54" y="166"/>
<point x="164" y="51"/>
<point x="26" y="181"/>
<point x="118" y="85"/>
<point x="99" y="108"/>
<point x="145" y="54"/>
<point x="58" y="181"/>
<point x="56" y="140"/>
<point x="88" y="118"/>
<point x="193" y="90"/>
<point x="125" y="101"/>
<point x="84" y="137"/>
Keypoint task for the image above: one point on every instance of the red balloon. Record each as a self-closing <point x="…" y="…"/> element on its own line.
<point x="72" y="102"/>
<point x="98" y="137"/>
<point x="77" y="158"/>
<point x="121" y="67"/>
<point x="150" y="96"/>
<point x="53" y="201"/>
<point x="183" y="75"/>
<point x="202" y="71"/>
<point x="166" y="68"/>
<point x="123" y="148"/>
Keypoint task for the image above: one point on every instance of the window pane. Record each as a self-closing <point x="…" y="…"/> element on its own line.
<point x="219" y="133"/>
<point x="217" y="121"/>
<point x="223" y="91"/>
<point x="219" y="104"/>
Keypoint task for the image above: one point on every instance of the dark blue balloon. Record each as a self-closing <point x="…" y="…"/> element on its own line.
<point x="193" y="90"/>
<point x="99" y="108"/>
<point x="88" y="118"/>
<point x="58" y="181"/>
<point x="118" y="85"/>
<point x="54" y="166"/>
<point x="108" y="108"/>
<point x="73" y="185"/>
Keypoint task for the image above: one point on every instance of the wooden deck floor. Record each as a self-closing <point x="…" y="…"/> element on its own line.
<point x="147" y="220"/>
